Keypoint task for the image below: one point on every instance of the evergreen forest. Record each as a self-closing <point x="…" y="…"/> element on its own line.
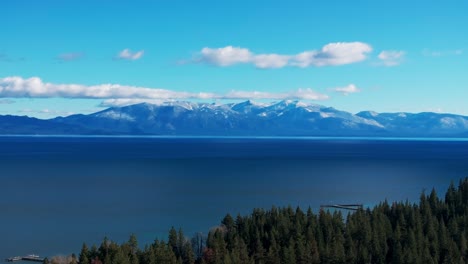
<point x="433" y="230"/>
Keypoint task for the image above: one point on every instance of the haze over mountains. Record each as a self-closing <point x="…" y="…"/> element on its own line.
<point x="284" y="118"/>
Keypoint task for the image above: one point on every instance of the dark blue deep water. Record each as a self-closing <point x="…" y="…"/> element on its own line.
<point x="57" y="192"/>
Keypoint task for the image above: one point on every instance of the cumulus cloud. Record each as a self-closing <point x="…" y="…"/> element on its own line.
<point x="349" y="89"/>
<point x="391" y="57"/>
<point x="265" y="61"/>
<point x="116" y="94"/>
<point x="225" y="56"/>
<point x="6" y="101"/>
<point x="332" y="54"/>
<point x="35" y="87"/>
<point x="127" y="54"/>
<point x="70" y="56"/>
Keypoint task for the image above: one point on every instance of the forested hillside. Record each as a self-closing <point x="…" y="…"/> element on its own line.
<point x="435" y="230"/>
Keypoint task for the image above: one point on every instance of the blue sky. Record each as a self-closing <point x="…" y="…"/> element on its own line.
<point x="63" y="57"/>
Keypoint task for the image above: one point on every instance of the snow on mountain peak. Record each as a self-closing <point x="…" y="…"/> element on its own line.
<point x="116" y="115"/>
<point x="283" y="117"/>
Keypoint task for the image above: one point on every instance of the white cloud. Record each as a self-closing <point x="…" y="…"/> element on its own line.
<point x="266" y="61"/>
<point x="225" y="56"/>
<point x="127" y="54"/>
<point x="391" y="57"/>
<point x="332" y="54"/>
<point x="349" y="89"/>
<point x="70" y="56"/>
<point x="17" y="87"/>
<point x="6" y="101"/>
<point x="308" y="94"/>
<point x="439" y="53"/>
<point x="304" y="94"/>
<point x="128" y="101"/>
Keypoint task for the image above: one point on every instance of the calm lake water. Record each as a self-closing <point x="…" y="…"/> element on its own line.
<point x="57" y="192"/>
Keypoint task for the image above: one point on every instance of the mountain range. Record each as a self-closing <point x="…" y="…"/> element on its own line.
<point x="284" y="118"/>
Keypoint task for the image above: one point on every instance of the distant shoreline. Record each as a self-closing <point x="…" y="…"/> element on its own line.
<point x="318" y="138"/>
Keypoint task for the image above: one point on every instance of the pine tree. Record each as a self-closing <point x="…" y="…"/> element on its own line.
<point x="173" y="241"/>
<point x="133" y="243"/>
<point x="314" y="252"/>
<point x="444" y="243"/>
<point x="350" y="249"/>
<point x="273" y="256"/>
<point x="230" y="225"/>
<point x="93" y="252"/>
<point x="434" y="201"/>
<point x="243" y="253"/>
<point x="259" y="253"/>
<point x="149" y="256"/>
<point x="410" y="251"/>
<point x="426" y="256"/>
<point x="188" y="257"/>
<point x="288" y="253"/>
<point x="463" y="248"/>
<point x="164" y="253"/>
<point x="120" y="258"/>
<point x="301" y="252"/>
<point x="180" y="242"/>
<point x="337" y="248"/>
<point x="432" y="238"/>
<point x="84" y="255"/>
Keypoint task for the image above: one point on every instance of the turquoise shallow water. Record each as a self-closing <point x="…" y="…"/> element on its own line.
<point x="57" y="192"/>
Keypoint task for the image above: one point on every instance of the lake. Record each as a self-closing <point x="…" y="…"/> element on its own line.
<point x="57" y="192"/>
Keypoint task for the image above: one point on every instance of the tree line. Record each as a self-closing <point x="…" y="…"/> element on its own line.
<point x="434" y="230"/>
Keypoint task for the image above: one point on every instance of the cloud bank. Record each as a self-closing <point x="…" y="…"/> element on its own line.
<point x="18" y="87"/>
<point x="127" y="54"/>
<point x="333" y="54"/>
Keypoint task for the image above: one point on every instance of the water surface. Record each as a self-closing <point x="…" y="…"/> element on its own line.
<point x="57" y="192"/>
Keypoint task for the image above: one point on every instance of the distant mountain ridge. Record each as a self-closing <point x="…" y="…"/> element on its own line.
<point x="284" y="118"/>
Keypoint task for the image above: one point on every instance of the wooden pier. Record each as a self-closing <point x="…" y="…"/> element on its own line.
<point x="353" y="207"/>
<point x="34" y="258"/>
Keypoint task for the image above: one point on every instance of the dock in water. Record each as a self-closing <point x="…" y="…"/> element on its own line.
<point x="32" y="257"/>
<point x="353" y="207"/>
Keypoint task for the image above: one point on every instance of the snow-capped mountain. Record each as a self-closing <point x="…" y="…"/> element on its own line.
<point x="284" y="118"/>
<point x="421" y="123"/>
<point x="246" y="118"/>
